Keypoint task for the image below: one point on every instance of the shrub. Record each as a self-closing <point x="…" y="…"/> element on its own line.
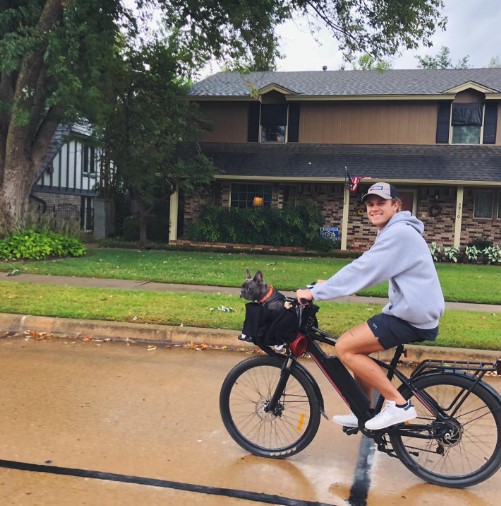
<point x="435" y="251"/>
<point x="471" y="253"/>
<point x="481" y="243"/>
<point x="32" y="244"/>
<point x="451" y="254"/>
<point x="492" y="254"/>
<point x="290" y="226"/>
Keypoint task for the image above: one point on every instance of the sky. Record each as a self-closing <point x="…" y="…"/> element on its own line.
<point x="473" y="28"/>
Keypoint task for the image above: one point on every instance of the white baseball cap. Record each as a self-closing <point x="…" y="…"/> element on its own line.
<point x="384" y="190"/>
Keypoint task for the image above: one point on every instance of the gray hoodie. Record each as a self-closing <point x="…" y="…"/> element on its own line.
<point x="399" y="254"/>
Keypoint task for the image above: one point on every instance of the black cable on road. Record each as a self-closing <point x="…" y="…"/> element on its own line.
<point x="153" y="482"/>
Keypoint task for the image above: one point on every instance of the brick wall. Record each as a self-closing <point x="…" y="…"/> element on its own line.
<point x="62" y="208"/>
<point x="440" y="201"/>
<point x="478" y="228"/>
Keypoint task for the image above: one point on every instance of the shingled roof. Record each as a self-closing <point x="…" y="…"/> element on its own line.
<point x="321" y="162"/>
<point x="347" y="82"/>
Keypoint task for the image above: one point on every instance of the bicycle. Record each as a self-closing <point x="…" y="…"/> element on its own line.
<point x="271" y="406"/>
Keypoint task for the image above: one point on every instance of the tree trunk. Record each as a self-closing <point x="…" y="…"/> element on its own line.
<point x="138" y="208"/>
<point x="14" y="194"/>
<point x="24" y="144"/>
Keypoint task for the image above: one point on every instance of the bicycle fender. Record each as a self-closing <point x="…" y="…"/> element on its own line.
<point x="315" y="386"/>
<point x="481" y="384"/>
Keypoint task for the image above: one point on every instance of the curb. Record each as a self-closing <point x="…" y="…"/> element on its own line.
<point x="164" y="334"/>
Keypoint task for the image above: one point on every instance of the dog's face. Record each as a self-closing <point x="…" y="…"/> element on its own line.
<point x="253" y="288"/>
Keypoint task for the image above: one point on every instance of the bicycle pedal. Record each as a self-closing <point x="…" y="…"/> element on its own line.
<point x="350" y="430"/>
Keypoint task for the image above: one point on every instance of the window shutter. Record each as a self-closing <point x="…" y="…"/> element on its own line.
<point x="253" y="122"/>
<point x="293" y="130"/>
<point x="490" y="122"/>
<point x="443" y="122"/>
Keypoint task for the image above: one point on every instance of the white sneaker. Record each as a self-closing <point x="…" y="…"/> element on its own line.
<point x="391" y="415"/>
<point x="346" y="420"/>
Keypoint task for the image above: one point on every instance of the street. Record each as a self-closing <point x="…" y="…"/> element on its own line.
<point x="100" y="423"/>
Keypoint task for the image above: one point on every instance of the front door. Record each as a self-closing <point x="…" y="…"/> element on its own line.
<point x="408" y="200"/>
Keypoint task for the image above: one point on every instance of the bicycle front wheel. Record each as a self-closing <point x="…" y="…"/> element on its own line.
<point x="243" y="403"/>
<point x="466" y="449"/>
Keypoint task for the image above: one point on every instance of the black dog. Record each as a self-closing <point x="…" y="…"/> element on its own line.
<point x="256" y="290"/>
<point x="268" y="317"/>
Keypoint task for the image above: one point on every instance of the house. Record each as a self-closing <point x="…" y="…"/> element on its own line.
<point x="67" y="189"/>
<point x="283" y="138"/>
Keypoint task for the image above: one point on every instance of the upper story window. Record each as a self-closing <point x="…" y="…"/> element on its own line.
<point x="88" y="160"/>
<point x="467" y="123"/>
<point x="273" y="123"/>
<point x="467" y="120"/>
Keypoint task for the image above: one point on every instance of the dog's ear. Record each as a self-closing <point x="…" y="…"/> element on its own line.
<point x="258" y="278"/>
<point x="248" y="274"/>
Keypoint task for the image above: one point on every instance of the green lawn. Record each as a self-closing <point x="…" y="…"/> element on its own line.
<point x="464" y="283"/>
<point x="460" y="283"/>
<point x="458" y="328"/>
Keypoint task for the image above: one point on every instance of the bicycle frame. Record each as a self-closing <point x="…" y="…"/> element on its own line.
<point x="349" y="390"/>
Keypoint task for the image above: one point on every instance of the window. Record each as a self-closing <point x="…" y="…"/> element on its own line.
<point x="499" y="206"/>
<point x="483" y="204"/>
<point x="273" y="123"/>
<point x="87" y="213"/>
<point x="88" y="160"/>
<point x="250" y="195"/>
<point x="470" y="123"/>
<point x="270" y="133"/>
<point x="466" y="135"/>
<point x="466" y="123"/>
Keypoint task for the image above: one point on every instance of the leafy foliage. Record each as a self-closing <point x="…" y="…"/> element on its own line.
<point x="36" y="245"/>
<point x="151" y="132"/>
<point x="291" y="226"/>
<point x="442" y="60"/>
<point x="480" y="251"/>
<point x="60" y="61"/>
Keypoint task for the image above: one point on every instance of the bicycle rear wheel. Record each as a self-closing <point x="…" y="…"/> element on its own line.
<point x="244" y="397"/>
<point x="462" y="452"/>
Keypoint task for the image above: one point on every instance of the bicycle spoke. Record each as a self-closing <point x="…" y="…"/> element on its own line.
<point x="463" y="449"/>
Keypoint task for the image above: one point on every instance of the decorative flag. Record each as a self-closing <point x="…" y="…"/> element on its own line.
<point x="353" y="182"/>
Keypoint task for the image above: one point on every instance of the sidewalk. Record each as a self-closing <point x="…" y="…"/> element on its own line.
<point x="166" y="335"/>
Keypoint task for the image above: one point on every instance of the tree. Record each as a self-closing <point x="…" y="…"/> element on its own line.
<point x="495" y="62"/>
<point x="366" y="62"/>
<point x="442" y="60"/>
<point x="58" y="58"/>
<point x="151" y="133"/>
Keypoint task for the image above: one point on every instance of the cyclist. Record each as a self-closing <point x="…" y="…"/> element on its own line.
<point x="401" y="256"/>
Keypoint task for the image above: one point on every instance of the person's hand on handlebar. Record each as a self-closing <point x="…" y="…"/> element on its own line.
<point x="304" y="294"/>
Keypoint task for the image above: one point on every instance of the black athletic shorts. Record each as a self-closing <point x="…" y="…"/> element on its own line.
<point x="392" y="331"/>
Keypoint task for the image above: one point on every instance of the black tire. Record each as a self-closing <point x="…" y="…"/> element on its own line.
<point x="469" y="451"/>
<point x="245" y="393"/>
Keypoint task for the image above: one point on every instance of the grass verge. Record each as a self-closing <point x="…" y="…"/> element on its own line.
<point x="460" y="329"/>
<point x="460" y="283"/>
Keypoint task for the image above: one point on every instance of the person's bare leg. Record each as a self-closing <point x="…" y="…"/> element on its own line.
<point x="353" y="348"/>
